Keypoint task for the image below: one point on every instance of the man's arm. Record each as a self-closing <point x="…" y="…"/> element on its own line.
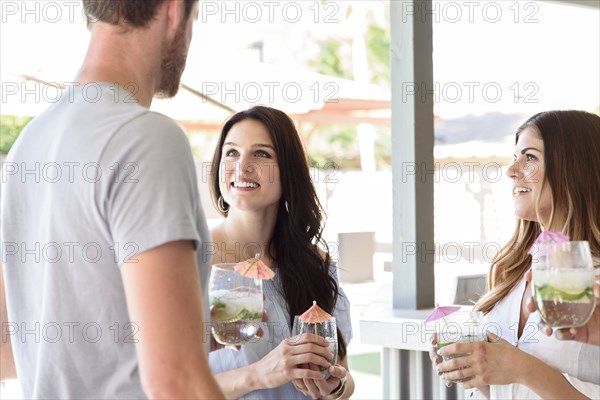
<point x="162" y="287"/>
<point x="7" y="362"/>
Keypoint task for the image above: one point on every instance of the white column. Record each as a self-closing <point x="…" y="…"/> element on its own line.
<point x="412" y="154"/>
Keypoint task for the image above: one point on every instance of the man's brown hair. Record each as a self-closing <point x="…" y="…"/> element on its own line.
<point x="132" y="13"/>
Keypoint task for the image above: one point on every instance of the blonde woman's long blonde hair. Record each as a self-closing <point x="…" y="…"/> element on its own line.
<point x="572" y="171"/>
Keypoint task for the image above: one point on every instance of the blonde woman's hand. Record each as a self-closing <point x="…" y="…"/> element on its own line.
<point x="436" y="359"/>
<point x="495" y="362"/>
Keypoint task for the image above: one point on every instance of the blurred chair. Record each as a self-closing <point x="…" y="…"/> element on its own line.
<point x="469" y="288"/>
<point x="355" y="256"/>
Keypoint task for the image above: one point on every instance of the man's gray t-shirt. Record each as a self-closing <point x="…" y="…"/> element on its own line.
<point x="93" y="181"/>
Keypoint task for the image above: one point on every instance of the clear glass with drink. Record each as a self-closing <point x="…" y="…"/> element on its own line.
<point x="326" y="329"/>
<point x="460" y="326"/>
<point x="236" y="304"/>
<point x="563" y="275"/>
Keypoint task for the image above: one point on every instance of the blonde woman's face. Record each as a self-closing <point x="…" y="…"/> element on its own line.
<point x="527" y="174"/>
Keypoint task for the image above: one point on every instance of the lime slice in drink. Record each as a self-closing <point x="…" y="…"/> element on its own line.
<point x="440" y="345"/>
<point x="550" y="292"/>
<point x="222" y="314"/>
<point x="234" y="305"/>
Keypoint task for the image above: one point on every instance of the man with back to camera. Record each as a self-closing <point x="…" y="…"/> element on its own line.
<point x="103" y="249"/>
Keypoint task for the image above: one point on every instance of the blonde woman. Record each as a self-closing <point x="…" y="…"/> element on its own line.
<point x="556" y="175"/>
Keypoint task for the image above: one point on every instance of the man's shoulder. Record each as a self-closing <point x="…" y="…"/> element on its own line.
<point x="157" y="121"/>
<point x="155" y="127"/>
<point x="150" y="138"/>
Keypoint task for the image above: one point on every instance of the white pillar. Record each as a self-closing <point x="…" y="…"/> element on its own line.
<point x="412" y="155"/>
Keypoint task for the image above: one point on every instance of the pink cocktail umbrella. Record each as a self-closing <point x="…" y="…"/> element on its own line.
<point x="441" y="312"/>
<point x="547" y="238"/>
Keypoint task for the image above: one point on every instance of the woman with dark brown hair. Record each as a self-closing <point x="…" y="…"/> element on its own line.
<point x="261" y="184"/>
<point x="556" y="175"/>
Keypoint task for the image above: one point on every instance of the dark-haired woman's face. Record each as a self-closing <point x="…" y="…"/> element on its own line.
<point x="527" y="173"/>
<point x="249" y="172"/>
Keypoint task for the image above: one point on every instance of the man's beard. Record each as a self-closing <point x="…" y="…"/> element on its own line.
<point x="172" y="65"/>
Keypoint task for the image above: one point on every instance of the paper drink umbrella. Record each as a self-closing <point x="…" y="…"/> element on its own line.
<point x="254" y="268"/>
<point x="315" y="315"/>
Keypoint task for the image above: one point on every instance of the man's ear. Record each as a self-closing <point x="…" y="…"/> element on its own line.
<point x="174" y="15"/>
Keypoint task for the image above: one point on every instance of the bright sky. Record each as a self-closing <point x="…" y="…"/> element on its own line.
<point x="551" y="54"/>
<point x="547" y="54"/>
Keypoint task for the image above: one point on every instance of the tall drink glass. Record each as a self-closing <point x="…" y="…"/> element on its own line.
<point x="326" y="329"/>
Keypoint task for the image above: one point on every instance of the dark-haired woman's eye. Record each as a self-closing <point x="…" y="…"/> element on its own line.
<point x="262" y="153"/>
<point x="530" y="157"/>
<point x="231" y="153"/>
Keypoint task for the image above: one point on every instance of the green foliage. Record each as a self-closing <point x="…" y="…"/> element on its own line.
<point x="338" y="144"/>
<point x="378" y="54"/>
<point x="330" y="62"/>
<point x="10" y="128"/>
<point x="334" y="144"/>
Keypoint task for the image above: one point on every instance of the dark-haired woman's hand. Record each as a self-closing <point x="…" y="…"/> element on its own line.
<point x="284" y="363"/>
<point x="317" y="388"/>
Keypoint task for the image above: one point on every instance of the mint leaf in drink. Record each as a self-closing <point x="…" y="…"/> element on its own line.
<point x="219" y="304"/>
<point x="244" y="314"/>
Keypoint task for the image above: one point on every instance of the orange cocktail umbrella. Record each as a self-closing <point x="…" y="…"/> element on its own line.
<point x="254" y="268"/>
<point x="315" y="315"/>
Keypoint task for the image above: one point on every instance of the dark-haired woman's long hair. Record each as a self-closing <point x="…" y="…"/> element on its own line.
<point x="303" y="270"/>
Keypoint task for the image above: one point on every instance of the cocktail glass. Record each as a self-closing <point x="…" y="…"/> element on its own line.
<point x="563" y="275"/>
<point x="460" y="326"/>
<point x="327" y="329"/>
<point x="236" y="304"/>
